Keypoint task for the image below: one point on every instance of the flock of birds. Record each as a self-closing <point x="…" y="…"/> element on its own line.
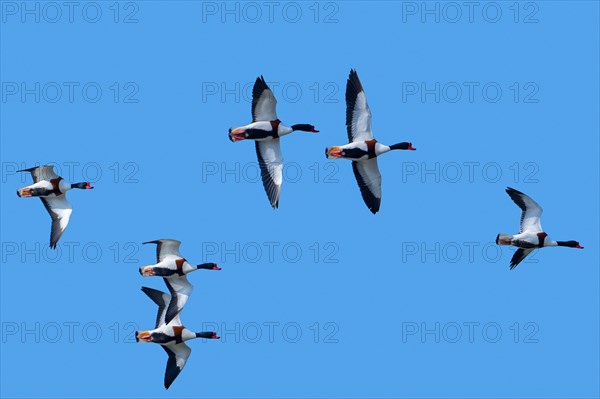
<point x="266" y="130"/>
<point x="168" y="330"/>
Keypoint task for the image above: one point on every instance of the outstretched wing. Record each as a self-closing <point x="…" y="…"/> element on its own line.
<point x="358" y="113"/>
<point x="178" y="356"/>
<point x="160" y="298"/>
<point x="270" y="160"/>
<point x="369" y="181"/>
<point x="180" y="289"/>
<point x="264" y="103"/>
<point x="531" y="211"/>
<point x="166" y="247"/>
<point x="519" y="255"/>
<point x="39" y="173"/>
<point x="60" y="211"/>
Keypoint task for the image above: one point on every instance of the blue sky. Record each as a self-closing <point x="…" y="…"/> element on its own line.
<point x="319" y="298"/>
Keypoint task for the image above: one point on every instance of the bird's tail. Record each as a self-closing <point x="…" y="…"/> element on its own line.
<point x="504" y="239"/>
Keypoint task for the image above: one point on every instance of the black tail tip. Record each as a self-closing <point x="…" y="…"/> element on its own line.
<point x="497" y="238"/>
<point x="136" y="336"/>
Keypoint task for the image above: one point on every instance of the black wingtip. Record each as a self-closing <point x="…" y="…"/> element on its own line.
<point x="510" y="190"/>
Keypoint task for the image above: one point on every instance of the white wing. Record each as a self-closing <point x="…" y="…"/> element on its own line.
<point x="531" y="211"/>
<point x="39" y="173"/>
<point x="358" y="114"/>
<point x="166" y="248"/>
<point x="264" y="103"/>
<point x="270" y="161"/>
<point x="60" y="211"/>
<point x="369" y="181"/>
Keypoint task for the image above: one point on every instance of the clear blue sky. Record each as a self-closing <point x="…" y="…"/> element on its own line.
<point x="413" y="302"/>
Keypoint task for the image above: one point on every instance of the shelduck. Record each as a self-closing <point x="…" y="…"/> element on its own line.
<point x="173" y="268"/>
<point x="362" y="148"/>
<point x="52" y="189"/>
<point x="170" y="335"/>
<point x="531" y="235"/>
<point x="265" y="130"/>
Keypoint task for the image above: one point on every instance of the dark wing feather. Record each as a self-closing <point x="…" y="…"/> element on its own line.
<point x="159" y="298"/>
<point x="264" y="103"/>
<point x="358" y="114"/>
<point x="172" y="310"/>
<point x="270" y="161"/>
<point x="519" y="255"/>
<point x="165" y="247"/>
<point x="180" y="289"/>
<point x="173" y="369"/>
<point x="370" y="186"/>
<point x="38" y="173"/>
<point x="531" y="211"/>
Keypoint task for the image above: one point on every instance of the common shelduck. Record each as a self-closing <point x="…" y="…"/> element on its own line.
<point x="265" y="130"/>
<point x="173" y="268"/>
<point x="531" y="235"/>
<point x="170" y="335"/>
<point x="362" y="149"/>
<point x="51" y="189"/>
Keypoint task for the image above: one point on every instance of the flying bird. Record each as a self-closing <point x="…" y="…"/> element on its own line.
<point x="531" y="235"/>
<point x="362" y="148"/>
<point x="173" y="268"/>
<point x="52" y="189"/>
<point x="266" y="129"/>
<point x="170" y="335"/>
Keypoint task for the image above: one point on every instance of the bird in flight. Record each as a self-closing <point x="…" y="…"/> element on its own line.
<point x="362" y="148"/>
<point x="531" y="235"/>
<point x="265" y="130"/>
<point x="52" y="189"/>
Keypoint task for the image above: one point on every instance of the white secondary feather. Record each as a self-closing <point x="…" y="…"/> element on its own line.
<point x="178" y="356"/>
<point x="45" y="172"/>
<point x="264" y="104"/>
<point x="182" y="353"/>
<point x="180" y="290"/>
<point x="531" y="218"/>
<point x="270" y="160"/>
<point x="369" y="170"/>
<point x="60" y="211"/>
<point x="361" y="119"/>
<point x="531" y="211"/>
<point x="166" y="249"/>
